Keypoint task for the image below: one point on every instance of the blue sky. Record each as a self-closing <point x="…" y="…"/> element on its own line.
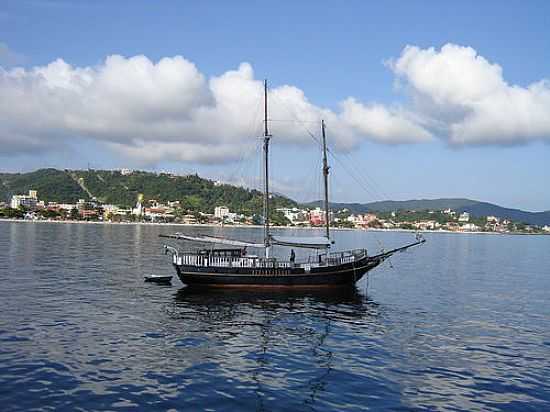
<point x="330" y="51"/>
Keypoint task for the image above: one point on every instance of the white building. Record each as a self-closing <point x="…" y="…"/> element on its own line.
<point x="189" y="219"/>
<point x="110" y="208"/>
<point x="221" y="211"/>
<point x="294" y="214"/>
<point x="470" y="227"/>
<point x="67" y="206"/>
<point x="121" y="212"/>
<point x="492" y="219"/>
<point x="29" y="201"/>
<point x="427" y="225"/>
<point x="464" y="217"/>
<point x="362" y="220"/>
<point x="546" y="228"/>
<point x="231" y="217"/>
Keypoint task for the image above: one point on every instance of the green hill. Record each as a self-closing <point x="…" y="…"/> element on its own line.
<point x="113" y="187"/>
<point x="52" y="185"/>
<point x="196" y="193"/>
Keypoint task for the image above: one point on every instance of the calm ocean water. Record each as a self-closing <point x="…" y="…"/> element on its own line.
<point x="461" y="323"/>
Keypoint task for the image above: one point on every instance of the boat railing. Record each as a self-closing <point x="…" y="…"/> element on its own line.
<point x="326" y="259"/>
<point x="338" y="258"/>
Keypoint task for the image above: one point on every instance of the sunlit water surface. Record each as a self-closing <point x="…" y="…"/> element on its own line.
<point x="461" y="323"/>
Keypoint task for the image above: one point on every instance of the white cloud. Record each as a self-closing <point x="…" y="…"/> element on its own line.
<point x="466" y="98"/>
<point x="169" y="110"/>
<point x="382" y="124"/>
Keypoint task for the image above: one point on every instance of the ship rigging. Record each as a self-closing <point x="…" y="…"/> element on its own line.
<point x="233" y="266"/>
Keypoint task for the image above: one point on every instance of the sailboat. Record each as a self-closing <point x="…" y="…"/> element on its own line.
<point x="232" y="266"/>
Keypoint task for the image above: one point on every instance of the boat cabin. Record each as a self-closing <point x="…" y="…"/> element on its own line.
<point x="223" y="253"/>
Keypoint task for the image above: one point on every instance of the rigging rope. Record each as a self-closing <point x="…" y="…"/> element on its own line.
<point x="249" y="148"/>
<point x="333" y="155"/>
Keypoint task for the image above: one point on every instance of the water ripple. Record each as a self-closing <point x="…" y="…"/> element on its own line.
<point x="450" y="328"/>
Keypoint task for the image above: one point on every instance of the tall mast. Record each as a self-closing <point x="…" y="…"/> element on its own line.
<point x="267" y="136"/>
<point x="326" y="168"/>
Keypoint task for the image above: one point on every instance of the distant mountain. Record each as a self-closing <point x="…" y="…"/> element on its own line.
<point x="474" y="207"/>
<point x="111" y="186"/>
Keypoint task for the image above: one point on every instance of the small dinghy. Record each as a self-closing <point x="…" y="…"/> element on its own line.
<point x="158" y="278"/>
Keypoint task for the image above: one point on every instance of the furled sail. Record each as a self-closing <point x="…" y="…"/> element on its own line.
<point x="213" y="239"/>
<point x="317" y="242"/>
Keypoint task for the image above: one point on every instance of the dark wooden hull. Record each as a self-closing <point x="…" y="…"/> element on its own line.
<point x="329" y="276"/>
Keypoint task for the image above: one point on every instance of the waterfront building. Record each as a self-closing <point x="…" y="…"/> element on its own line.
<point x="369" y="218"/>
<point x="470" y="227"/>
<point x="159" y="213"/>
<point x="28" y="201"/>
<point x="362" y="220"/>
<point x="108" y="208"/>
<point x="88" y="213"/>
<point x="67" y="206"/>
<point x="294" y="215"/>
<point x="121" y="212"/>
<point x="427" y="225"/>
<point x="221" y="212"/>
<point x="189" y="219"/>
<point x="317" y="217"/>
<point x="464" y="217"/>
<point x="231" y="217"/>
<point x="108" y="211"/>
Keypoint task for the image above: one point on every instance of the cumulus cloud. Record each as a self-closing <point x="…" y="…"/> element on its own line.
<point x="168" y="110"/>
<point x="153" y="111"/>
<point x="383" y="124"/>
<point x="466" y="98"/>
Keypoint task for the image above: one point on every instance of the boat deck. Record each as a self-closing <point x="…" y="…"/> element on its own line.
<point x="322" y="260"/>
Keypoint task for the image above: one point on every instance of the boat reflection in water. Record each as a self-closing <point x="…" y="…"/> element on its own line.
<point x="268" y="341"/>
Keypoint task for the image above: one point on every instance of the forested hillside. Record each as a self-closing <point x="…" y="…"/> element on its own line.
<point x="109" y="186"/>
<point x="52" y="185"/>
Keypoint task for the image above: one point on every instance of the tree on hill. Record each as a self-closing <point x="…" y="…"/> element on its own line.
<point x="113" y="187"/>
<point x="52" y="185"/>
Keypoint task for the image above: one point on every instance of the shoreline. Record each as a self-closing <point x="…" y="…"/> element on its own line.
<point x="85" y="222"/>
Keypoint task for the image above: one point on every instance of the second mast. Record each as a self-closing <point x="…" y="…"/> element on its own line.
<point x="267" y="136"/>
